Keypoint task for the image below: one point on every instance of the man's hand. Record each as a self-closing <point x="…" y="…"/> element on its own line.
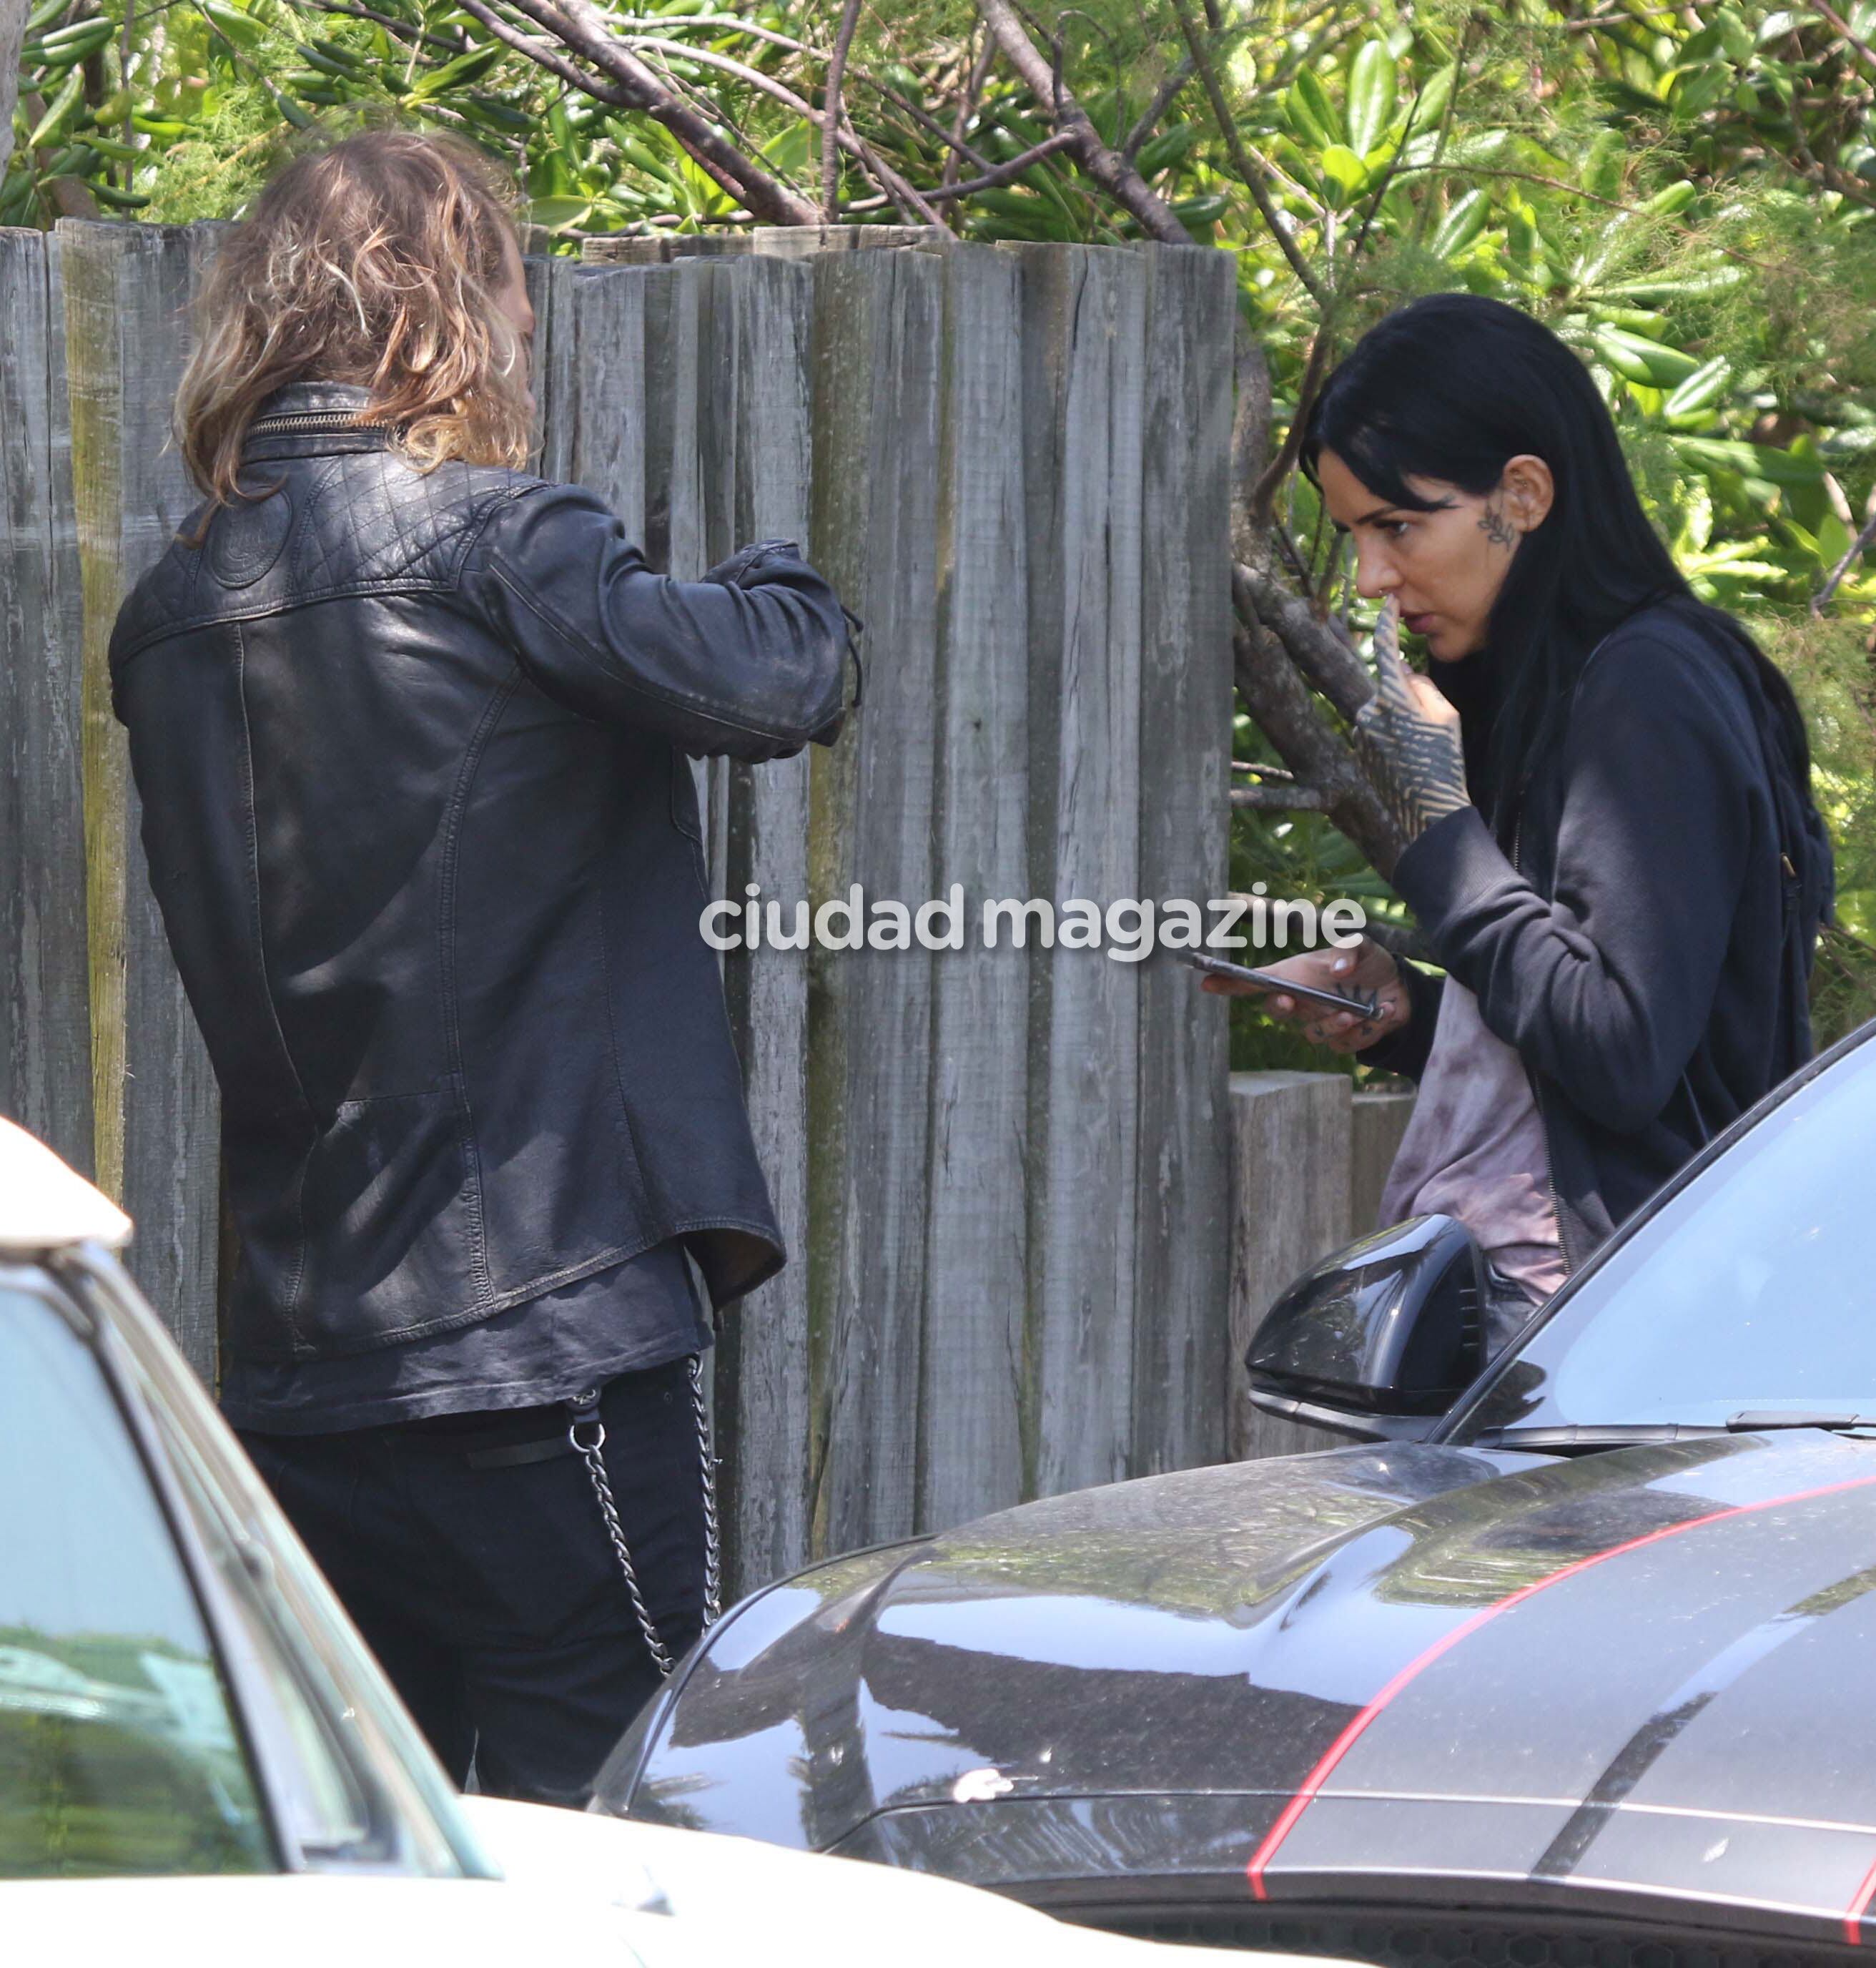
<point x="1407" y="738"/>
<point x="1367" y="967"/>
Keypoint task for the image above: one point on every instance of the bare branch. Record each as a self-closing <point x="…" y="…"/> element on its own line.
<point x="1263" y="494"/>
<point x="907" y="107"/>
<point x="581" y="28"/>
<point x="404" y="30"/>
<point x="967" y="109"/>
<point x="1282" y="799"/>
<point x="1253" y="179"/>
<point x="830" y="112"/>
<point x="1250" y="439"/>
<point x="1161" y="102"/>
<point x="1280" y="706"/>
<point x="1821" y="600"/>
<point x="70" y="198"/>
<point x="1842" y="27"/>
<point x="1002" y="173"/>
<point x="1387" y="177"/>
<point x="1292" y="554"/>
<point x="547" y="55"/>
<point x="1107" y="167"/>
<point x="1444" y="135"/>
<point x="1314" y="647"/>
<point x="910" y="204"/>
<point x="667" y="24"/>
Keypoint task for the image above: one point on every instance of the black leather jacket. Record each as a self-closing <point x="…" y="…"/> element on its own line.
<point x="411" y="751"/>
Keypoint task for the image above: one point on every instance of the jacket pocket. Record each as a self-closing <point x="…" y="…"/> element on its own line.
<point x="393" y="1225"/>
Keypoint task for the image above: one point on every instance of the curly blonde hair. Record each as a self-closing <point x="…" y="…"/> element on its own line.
<point x="375" y="261"/>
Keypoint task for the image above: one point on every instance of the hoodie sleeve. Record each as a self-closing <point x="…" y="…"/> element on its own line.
<point x="1607" y="987"/>
<point x="1406" y="1051"/>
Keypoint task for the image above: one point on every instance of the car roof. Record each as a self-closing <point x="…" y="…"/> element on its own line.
<point x="46" y="1205"/>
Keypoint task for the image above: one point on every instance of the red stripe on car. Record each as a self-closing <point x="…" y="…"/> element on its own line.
<point x="1853" y="1914"/>
<point x="1312" y="1784"/>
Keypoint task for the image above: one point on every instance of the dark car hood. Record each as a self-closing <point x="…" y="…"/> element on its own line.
<point x="1651" y="1669"/>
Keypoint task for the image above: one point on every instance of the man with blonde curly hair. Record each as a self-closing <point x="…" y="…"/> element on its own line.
<point x="410" y="728"/>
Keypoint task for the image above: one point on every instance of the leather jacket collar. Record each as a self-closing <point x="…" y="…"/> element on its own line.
<point x="315" y="393"/>
<point x="330" y="411"/>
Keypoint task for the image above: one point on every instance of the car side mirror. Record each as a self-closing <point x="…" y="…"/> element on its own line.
<point x="1378" y="1340"/>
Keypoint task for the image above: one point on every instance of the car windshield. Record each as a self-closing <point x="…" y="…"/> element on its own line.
<point x="1751" y="1291"/>
<point x="119" y="1751"/>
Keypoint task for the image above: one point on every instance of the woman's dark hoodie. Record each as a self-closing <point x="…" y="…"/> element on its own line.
<point x="1644" y="936"/>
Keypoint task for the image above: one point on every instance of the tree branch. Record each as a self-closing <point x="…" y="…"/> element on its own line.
<point x="1280" y="706"/>
<point x="545" y="54"/>
<point x="1250" y="440"/>
<point x="1317" y="650"/>
<point x="404" y="30"/>
<point x="1821" y="600"/>
<point x="1107" y="167"/>
<point x="1001" y="174"/>
<point x="672" y="23"/>
<point x="967" y="108"/>
<point x="1253" y="179"/>
<point x="1263" y="494"/>
<point x="830" y="112"/>
<point x="1162" y="101"/>
<point x="580" y="27"/>
<point x="1280" y="799"/>
<point x="1842" y="27"/>
<point x="911" y="205"/>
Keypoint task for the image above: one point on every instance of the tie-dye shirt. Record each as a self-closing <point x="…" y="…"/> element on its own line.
<point x="1474" y="1149"/>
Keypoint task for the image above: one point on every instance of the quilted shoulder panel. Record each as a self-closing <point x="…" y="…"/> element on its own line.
<point x="164" y="593"/>
<point x="367" y="518"/>
<point x="354" y="522"/>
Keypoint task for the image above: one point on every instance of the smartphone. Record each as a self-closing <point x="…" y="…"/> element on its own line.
<point x="1366" y="1007"/>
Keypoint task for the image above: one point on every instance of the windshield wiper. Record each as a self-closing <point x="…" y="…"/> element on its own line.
<point x="1585" y="1438"/>
<point x="1581" y="1438"/>
<point x="1752" y="1421"/>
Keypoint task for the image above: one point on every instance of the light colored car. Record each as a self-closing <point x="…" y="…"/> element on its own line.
<point x="199" y="1761"/>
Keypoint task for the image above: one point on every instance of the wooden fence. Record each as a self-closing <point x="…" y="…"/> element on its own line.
<point x="1003" y="1173"/>
<point x="1309" y="1159"/>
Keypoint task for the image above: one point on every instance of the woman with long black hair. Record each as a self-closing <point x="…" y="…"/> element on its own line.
<point x="1612" y="851"/>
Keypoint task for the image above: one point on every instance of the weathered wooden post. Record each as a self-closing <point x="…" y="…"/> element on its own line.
<point x="1181" y="1367"/>
<point x="156" y="1117"/>
<point x="45" y="986"/>
<point x="1290" y="1142"/>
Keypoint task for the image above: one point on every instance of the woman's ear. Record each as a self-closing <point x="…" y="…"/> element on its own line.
<point x="1528" y="490"/>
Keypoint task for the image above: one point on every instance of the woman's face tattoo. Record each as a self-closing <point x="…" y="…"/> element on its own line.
<point x="1443" y="566"/>
<point x="1494" y="525"/>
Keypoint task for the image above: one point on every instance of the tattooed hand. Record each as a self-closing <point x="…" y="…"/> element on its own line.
<point x="1407" y="738"/>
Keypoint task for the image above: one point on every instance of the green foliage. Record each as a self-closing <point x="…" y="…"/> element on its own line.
<point x="1693" y="212"/>
<point x="1686" y="196"/>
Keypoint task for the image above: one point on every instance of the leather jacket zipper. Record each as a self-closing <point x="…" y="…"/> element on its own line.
<point x="1537" y="1099"/>
<point x="312" y="420"/>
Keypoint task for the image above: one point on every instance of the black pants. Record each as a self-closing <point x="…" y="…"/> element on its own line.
<point x="492" y="1596"/>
